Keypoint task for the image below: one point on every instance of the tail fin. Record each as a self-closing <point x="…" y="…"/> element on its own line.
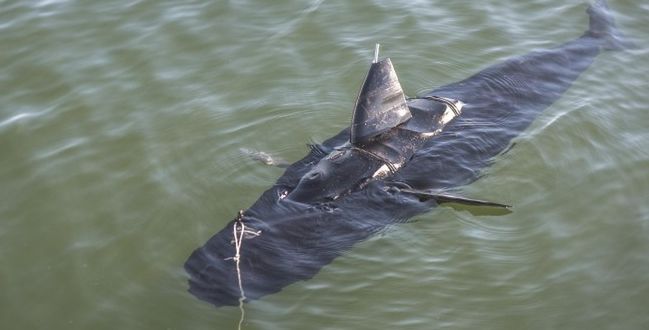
<point x="602" y="26"/>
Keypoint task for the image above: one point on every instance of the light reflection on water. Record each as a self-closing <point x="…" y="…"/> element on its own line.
<point x="120" y="130"/>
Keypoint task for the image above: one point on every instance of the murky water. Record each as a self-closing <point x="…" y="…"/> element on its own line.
<point x="120" y="129"/>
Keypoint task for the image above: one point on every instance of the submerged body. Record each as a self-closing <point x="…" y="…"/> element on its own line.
<point x="291" y="235"/>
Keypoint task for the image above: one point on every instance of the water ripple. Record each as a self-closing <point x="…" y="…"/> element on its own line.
<point x="120" y="132"/>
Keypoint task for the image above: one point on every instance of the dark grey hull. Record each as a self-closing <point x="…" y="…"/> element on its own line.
<point x="296" y="239"/>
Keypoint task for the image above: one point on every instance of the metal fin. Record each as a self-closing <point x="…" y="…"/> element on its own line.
<point x="381" y="104"/>
<point x="446" y="198"/>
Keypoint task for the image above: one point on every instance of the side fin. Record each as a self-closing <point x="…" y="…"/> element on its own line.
<point x="381" y="104"/>
<point x="446" y="198"/>
<point x="264" y="157"/>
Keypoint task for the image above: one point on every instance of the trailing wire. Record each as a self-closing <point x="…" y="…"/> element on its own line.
<point x="238" y="232"/>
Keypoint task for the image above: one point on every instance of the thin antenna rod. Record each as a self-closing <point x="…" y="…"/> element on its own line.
<point x="376" y="54"/>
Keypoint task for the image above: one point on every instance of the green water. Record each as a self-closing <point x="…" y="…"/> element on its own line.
<point x="120" y="129"/>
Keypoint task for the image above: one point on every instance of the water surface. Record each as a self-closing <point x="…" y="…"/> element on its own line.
<point x="120" y="129"/>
